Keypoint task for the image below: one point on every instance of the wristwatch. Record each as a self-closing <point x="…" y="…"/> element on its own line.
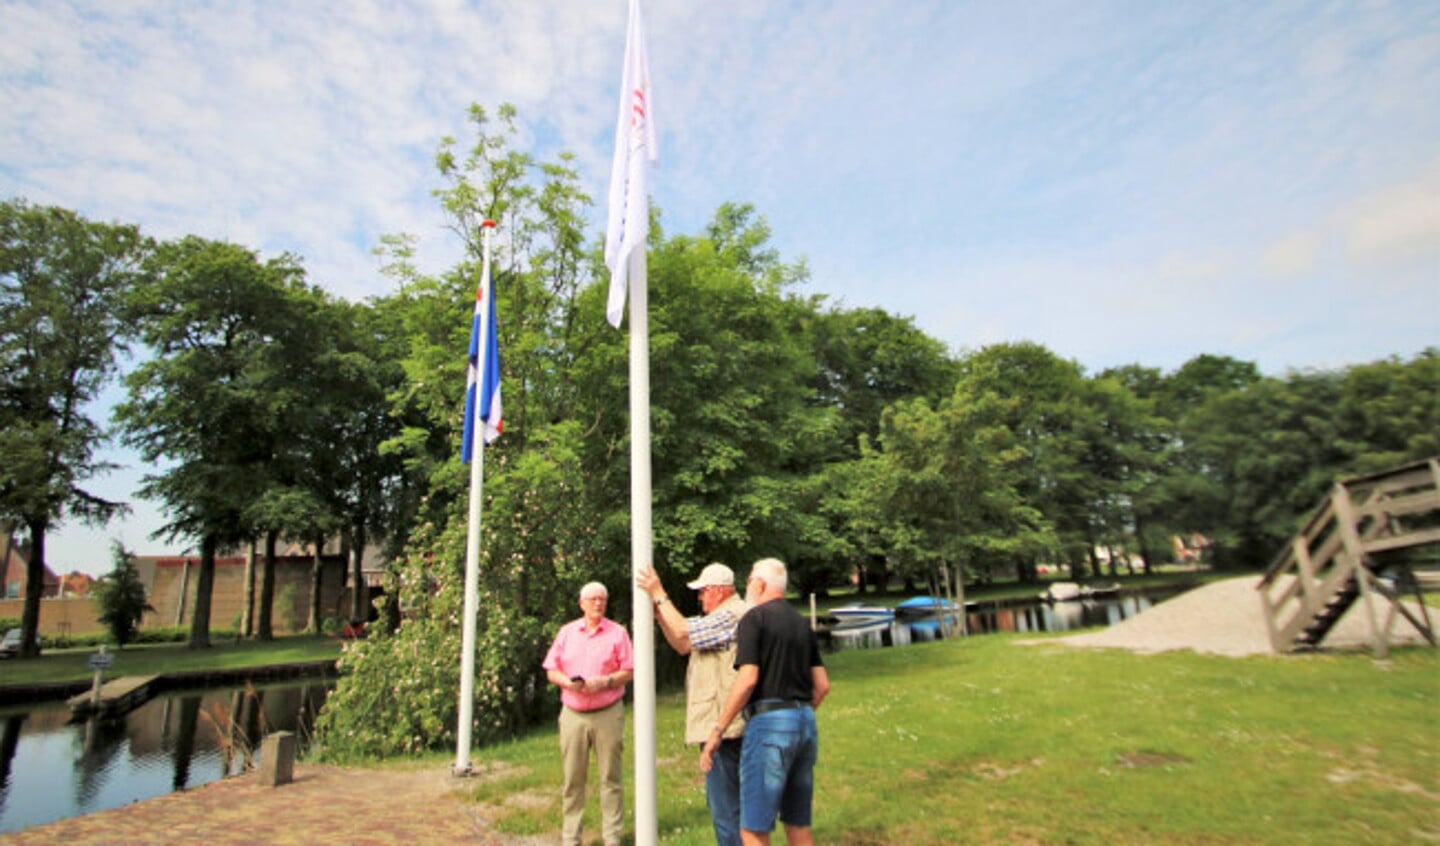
<point x="661" y="601"/>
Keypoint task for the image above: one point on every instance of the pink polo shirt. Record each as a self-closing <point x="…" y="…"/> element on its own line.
<point x="580" y="652"/>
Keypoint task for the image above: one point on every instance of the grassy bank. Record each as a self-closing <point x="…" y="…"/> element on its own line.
<point x="989" y="741"/>
<point x="72" y="664"/>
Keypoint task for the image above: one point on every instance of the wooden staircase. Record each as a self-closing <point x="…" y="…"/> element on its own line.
<point x="1331" y="564"/>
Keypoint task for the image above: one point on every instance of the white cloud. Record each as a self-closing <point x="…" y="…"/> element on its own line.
<point x="1294" y="255"/>
<point x="1399" y="224"/>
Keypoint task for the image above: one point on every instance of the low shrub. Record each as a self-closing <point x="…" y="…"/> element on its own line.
<point x="75" y="641"/>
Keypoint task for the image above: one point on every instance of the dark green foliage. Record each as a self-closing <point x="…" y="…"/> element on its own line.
<point x="217" y="398"/>
<point x="120" y="597"/>
<point x="1255" y="459"/>
<point x="61" y="282"/>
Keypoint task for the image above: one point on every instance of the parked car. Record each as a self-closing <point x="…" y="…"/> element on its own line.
<point x="10" y="646"/>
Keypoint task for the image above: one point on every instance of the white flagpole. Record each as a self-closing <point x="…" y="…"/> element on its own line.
<point x="472" y="536"/>
<point x="625" y="235"/>
<point x="642" y="623"/>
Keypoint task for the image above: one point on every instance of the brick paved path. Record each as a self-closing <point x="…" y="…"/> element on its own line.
<point x="393" y="805"/>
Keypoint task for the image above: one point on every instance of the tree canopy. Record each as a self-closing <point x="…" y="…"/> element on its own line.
<point x="62" y="279"/>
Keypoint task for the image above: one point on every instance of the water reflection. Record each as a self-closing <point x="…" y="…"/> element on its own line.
<point x="102" y="740"/>
<point x="184" y="738"/>
<point x="1007" y="616"/>
<point x="9" y="742"/>
<point x="173" y="742"/>
<point x="1058" y="616"/>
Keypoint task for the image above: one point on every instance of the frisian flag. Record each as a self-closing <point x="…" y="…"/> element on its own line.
<point x="490" y="385"/>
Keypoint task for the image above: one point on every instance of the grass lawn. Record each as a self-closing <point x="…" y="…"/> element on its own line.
<point x="989" y="741"/>
<point x="148" y="659"/>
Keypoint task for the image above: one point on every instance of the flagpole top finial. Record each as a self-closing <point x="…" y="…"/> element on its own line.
<point x="487" y="223"/>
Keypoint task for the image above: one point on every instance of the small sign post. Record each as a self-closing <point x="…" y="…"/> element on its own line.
<point x="99" y="662"/>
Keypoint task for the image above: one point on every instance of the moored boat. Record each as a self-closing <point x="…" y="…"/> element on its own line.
<point x="1070" y="591"/>
<point x="860" y="615"/>
<point x="921" y="607"/>
<point x="928" y="617"/>
<point x="1062" y="592"/>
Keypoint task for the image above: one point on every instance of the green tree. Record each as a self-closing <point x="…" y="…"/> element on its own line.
<point x="1388" y="412"/>
<point x="210" y="400"/>
<point x="1045" y="402"/>
<point x="1269" y="452"/>
<point x="120" y="596"/>
<point x="280" y="511"/>
<point x="352" y="475"/>
<point x="1258" y="458"/>
<point x="956" y="498"/>
<point x="856" y="498"/>
<point x="61" y="280"/>
<point x="538" y="528"/>
<point x="734" y="433"/>
<point x="1124" y="448"/>
<point x="1152" y="443"/>
<point x="869" y="359"/>
<point x="1202" y="377"/>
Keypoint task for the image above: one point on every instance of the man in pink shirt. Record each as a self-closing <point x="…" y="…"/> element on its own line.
<point x="590" y="661"/>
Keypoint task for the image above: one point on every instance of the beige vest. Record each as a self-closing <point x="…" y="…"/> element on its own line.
<point x="707" y="685"/>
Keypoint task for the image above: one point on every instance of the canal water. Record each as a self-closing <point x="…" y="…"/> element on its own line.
<point x="1035" y="616"/>
<point x="1024" y="615"/>
<point x="52" y="768"/>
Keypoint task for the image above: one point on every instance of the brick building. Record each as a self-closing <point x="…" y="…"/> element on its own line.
<point x="170" y="584"/>
<point x="14" y="563"/>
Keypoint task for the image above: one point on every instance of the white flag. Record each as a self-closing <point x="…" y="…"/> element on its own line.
<point x="634" y="148"/>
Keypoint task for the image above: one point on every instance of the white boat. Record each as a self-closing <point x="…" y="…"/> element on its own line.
<point x="1070" y="591"/>
<point x="859" y="615"/>
<point x="861" y="627"/>
<point x="1062" y="592"/>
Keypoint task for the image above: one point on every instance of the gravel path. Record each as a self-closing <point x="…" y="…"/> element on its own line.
<point x="1225" y="618"/>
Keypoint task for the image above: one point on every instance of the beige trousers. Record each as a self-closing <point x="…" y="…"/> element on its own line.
<point x="604" y="731"/>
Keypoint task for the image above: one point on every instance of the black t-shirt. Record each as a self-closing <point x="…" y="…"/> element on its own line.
<point x="778" y="640"/>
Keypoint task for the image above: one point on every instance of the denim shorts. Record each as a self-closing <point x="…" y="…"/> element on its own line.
<point x="777" y="768"/>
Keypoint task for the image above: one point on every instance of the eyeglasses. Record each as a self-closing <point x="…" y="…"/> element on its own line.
<point x="599" y="598"/>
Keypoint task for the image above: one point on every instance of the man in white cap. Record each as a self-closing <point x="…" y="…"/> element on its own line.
<point x="709" y="640"/>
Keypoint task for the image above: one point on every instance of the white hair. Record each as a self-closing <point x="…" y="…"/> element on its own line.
<point x="771" y="571"/>
<point x="593" y="589"/>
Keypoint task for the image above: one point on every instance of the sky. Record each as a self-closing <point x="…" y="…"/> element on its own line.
<point x="1123" y="182"/>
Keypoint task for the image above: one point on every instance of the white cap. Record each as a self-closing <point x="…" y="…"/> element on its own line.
<point x="714" y="575"/>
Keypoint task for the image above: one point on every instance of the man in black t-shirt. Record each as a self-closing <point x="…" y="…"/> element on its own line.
<point x="781" y="682"/>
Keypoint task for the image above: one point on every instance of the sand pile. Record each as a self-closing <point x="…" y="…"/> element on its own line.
<point x="1225" y="618"/>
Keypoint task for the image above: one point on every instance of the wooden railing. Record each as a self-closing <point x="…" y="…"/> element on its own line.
<point x="1331" y="563"/>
